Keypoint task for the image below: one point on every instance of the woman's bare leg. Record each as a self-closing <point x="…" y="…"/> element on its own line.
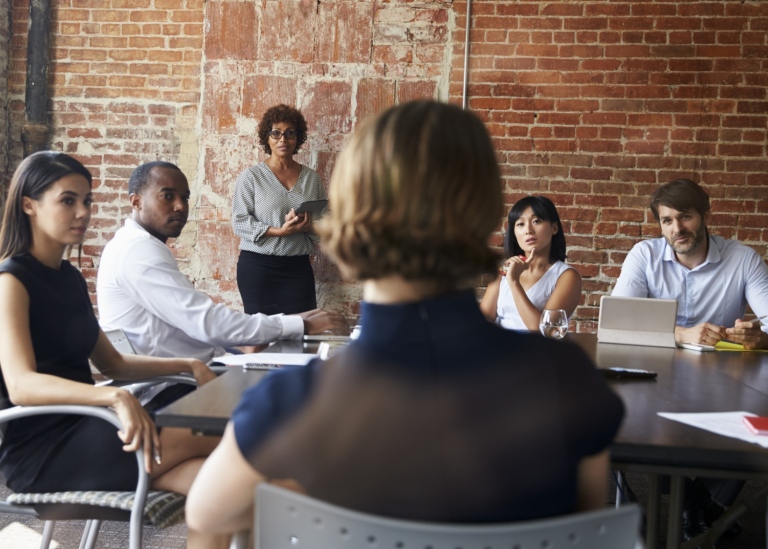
<point x="178" y="446"/>
<point x="183" y="455"/>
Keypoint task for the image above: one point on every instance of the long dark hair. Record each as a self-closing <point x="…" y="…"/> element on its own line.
<point x="544" y="209"/>
<point x="32" y="178"/>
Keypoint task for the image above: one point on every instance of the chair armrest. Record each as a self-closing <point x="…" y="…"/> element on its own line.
<point x="142" y="487"/>
<point x="137" y="384"/>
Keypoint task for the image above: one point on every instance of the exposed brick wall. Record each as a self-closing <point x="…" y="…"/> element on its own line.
<point x="592" y="103"/>
<point x="125" y="88"/>
<point x="596" y="104"/>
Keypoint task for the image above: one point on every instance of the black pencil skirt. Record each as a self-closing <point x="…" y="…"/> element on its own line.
<point x="273" y="284"/>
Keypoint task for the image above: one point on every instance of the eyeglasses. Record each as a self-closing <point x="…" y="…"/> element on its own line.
<point x="277" y="134"/>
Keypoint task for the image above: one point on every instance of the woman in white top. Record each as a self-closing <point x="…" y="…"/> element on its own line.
<point x="536" y="276"/>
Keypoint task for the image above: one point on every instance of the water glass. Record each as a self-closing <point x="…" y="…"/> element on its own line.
<point x="553" y="323"/>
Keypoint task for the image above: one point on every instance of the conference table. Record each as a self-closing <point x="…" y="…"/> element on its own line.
<point x="687" y="381"/>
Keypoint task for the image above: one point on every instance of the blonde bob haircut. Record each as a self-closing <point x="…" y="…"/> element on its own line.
<point x="416" y="192"/>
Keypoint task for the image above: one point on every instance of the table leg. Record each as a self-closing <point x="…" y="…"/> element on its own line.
<point x="652" y="511"/>
<point x="674" y="525"/>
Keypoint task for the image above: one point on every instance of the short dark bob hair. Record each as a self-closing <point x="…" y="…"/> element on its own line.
<point x="282" y="113"/>
<point x="416" y="192"/>
<point x="680" y="195"/>
<point x="32" y="178"/>
<point x="544" y="209"/>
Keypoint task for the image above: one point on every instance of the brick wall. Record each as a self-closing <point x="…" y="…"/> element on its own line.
<point x="125" y="89"/>
<point x="592" y="103"/>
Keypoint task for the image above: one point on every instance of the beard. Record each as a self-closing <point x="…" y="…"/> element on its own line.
<point x="695" y="240"/>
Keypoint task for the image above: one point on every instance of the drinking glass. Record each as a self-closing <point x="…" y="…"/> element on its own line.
<point x="553" y="323"/>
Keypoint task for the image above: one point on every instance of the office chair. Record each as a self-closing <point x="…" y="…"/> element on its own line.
<point x="286" y="519"/>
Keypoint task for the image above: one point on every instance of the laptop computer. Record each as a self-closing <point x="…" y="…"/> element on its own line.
<point x="637" y="321"/>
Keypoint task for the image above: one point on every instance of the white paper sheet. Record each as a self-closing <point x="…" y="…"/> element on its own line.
<point x="728" y="424"/>
<point x="285" y="359"/>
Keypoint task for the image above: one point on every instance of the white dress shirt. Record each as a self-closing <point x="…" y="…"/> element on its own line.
<point x="141" y="290"/>
<point x="717" y="291"/>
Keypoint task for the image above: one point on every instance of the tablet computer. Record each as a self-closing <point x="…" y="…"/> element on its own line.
<point x="314" y="207"/>
<point x="637" y="321"/>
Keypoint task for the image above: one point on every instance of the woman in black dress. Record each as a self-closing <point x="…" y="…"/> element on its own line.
<point x="48" y="333"/>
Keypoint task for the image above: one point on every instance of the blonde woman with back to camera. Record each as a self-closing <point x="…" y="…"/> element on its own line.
<point x="432" y="413"/>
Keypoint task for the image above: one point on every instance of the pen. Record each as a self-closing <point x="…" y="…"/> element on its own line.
<point x="157" y="455"/>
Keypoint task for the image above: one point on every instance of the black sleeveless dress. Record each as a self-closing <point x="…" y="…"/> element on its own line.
<point x="61" y="452"/>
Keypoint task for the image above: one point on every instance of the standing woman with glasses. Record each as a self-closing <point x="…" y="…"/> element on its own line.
<point x="274" y="274"/>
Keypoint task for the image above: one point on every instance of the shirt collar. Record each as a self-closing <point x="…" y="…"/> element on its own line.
<point x="713" y="253"/>
<point x="454" y="313"/>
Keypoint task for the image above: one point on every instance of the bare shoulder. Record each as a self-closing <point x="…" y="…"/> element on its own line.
<point x="570" y="274"/>
<point x="11" y="287"/>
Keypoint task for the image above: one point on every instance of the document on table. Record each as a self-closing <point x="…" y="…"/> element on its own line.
<point x="284" y="359"/>
<point x="729" y="346"/>
<point x="728" y="424"/>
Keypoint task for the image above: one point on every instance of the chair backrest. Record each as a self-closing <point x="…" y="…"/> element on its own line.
<point x="285" y="519"/>
<point x="120" y="341"/>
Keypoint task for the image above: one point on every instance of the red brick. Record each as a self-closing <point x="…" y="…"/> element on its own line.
<point x="143" y="16"/>
<point x="408" y="90"/>
<point x="233" y="31"/>
<point x="263" y="91"/>
<point x="741" y="150"/>
<point x="109" y="15"/>
<point x="329" y="102"/>
<point x="221" y="105"/>
<point x="282" y="43"/>
<point x="373" y="96"/>
<point x="592" y="23"/>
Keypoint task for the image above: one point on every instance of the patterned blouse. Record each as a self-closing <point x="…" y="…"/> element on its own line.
<point x="261" y="202"/>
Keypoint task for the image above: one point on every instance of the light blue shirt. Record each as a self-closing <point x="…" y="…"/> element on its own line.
<point x="716" y="291"/>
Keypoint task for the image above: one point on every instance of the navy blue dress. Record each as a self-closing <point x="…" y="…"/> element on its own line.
<point x="434" y="414"/>
<point x="61" y="452"/>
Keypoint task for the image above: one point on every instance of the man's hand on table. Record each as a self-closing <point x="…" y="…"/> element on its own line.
<point x="202" y="373"/>
<point x="748" y="334"/>
<point x="250" y="349"/>
<point x="703" y="334"/>
<point x="319" y="321"/>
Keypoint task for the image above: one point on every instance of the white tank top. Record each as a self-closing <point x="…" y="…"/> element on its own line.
<point x="507" y="315"/>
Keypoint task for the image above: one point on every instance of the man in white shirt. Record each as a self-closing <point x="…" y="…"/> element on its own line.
<point x="711" y="278"/>
<point x="141" y="290"/>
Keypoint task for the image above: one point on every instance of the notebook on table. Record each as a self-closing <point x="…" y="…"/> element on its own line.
<point x="637" y="321"/>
